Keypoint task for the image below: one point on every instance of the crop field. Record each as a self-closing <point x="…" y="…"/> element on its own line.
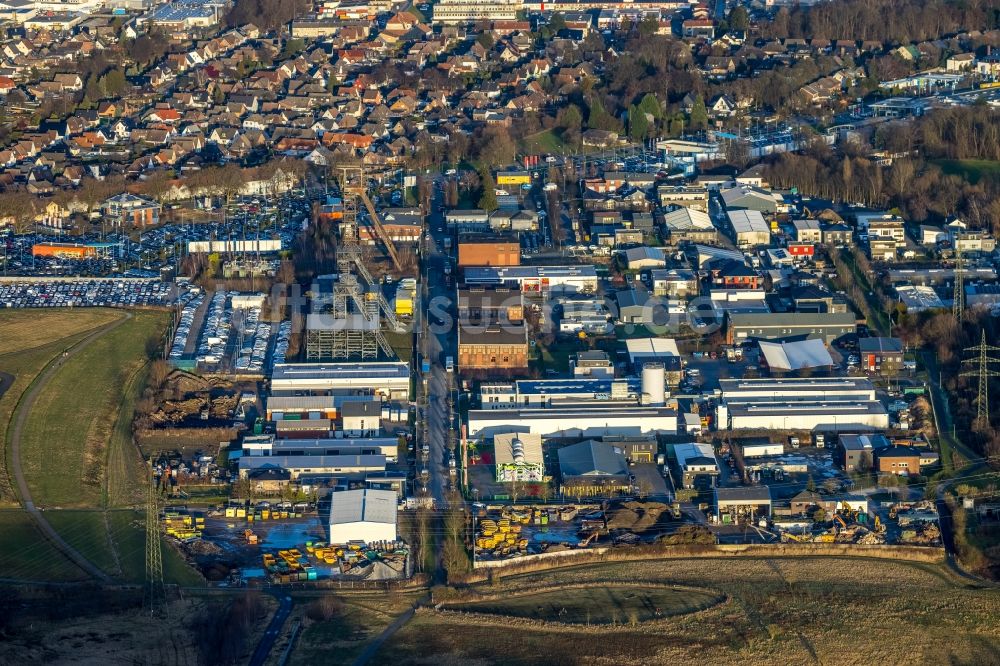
<point x="596" y="604"/>
<point x="779" y="610"/>
<point x="68" y="435"/>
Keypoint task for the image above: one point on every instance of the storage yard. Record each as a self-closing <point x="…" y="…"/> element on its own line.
<point x="277" y="544"/>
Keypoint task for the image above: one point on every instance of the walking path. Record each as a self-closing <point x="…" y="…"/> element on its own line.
<point x="20" y="419"/>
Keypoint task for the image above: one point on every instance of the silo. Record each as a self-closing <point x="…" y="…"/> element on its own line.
<point x="654" y="383"/>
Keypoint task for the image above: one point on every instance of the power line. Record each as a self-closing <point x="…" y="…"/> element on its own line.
<point x="154" y="595"/>
<point x="983" y="372"/>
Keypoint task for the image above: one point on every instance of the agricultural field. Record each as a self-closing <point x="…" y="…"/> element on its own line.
<point x="21" y="330"/>
<point x="779" y="610"/>
<point x="81" y="420"/>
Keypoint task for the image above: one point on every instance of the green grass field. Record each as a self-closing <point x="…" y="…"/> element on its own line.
<point x="67" y="435"/>
<point x="971" y="170"/>
<point x="116" y="542"/>
<point x="26" y="554"/>
<point x="546" y="141"/>
<point x="598" y="604"/>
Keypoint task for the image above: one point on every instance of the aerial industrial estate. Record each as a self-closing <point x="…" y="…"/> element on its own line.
<point x="366" y="331"/>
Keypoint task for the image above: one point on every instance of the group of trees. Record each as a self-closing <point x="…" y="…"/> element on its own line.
<point x="886" y="21"/>
<point x="265" y="14"/>
<point x="915" y="185"/>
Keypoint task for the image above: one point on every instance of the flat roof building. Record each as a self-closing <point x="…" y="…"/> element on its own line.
<point x="386" y="378"/>
<point x="697" y="465"/>
<point x="587" y="421"/>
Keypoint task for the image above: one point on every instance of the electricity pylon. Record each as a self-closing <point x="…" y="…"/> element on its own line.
<point x="958" y="304"/>
<point x="154" y="598"/>
<point x="983" y="371"/>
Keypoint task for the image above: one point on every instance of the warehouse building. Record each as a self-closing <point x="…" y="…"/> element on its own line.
<point x="749" y="228"/>
<point x="593" y="469"/>
<point x="855" y="451"/>
<point x="389" y="379"/>
<point x="840" y="416"/>
<point x="544" y="393"/>
<point x="269" y="445"/>
<point x="793" y="356"/>
<point x="518" y="457"/>
<point x="827" y="326"/>
<point x="366" y="515"/>
<point x="742" y="504"/>
<point x="697" y="466"/>
<point x="340" y="466"/>
<point x="581" y="421"/>
<point x="806" y="388"/>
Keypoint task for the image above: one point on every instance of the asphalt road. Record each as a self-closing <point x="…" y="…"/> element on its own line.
<point x="28" y="401"/>
<point x="273" y="631"/>
<point x="441" y="342"/>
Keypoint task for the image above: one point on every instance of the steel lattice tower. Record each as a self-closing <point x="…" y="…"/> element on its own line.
<point x="958" y="304"/>
<point x="153" y="593"/>
<point x="983" y="371"/>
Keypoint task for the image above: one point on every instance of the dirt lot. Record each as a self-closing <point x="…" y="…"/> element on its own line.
<point x="781" y="610"/>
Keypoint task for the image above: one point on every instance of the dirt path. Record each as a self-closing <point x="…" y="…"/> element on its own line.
<point x="21" y="417"/>
<point x="387" y="633"/>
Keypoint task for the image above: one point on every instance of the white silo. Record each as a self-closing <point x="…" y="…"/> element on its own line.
<point x="654" y="384"/>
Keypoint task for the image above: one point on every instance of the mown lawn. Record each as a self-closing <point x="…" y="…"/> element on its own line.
<point x="972" y="170"/>
<point x="546" y="141"/>
<point x="65" y="440"/>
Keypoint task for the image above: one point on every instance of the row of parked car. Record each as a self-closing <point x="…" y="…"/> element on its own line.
<point x="183" y="330"/>
<point x="85" y="293"/>
<point x="257" y="334"/>
<point x="215" y="332"/>
<point x="281" y="343"/>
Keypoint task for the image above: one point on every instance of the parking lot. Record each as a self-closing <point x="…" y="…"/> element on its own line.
<point x="224" y="333"/>
<point x="143" y="253"/>
<point x="114" y="293"/>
